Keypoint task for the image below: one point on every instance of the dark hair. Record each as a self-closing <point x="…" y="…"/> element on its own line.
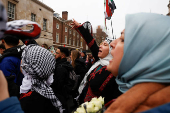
<point x="11" y="40"/>
<point x="64" y="50"/>
<point x="2" y="46"/>
<point x="84" y="52"/>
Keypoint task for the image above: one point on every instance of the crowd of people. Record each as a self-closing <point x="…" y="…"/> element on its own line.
<point x="130" y="72"/>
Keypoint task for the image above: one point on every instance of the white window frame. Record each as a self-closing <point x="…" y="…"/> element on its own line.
<point x="57" y="37"/>
<point x="65" y="39"/>
<point x="57" y="26"/>
<point x="33" y="17"/>
<point x="70" y="31"/>
<point x="69" y="41"/>
<point x="81" y="43"/>
<point x="44" y="24"/>
<point x="77" y="35"/>
<point x="87" y="47"/>
<point x="73" y="33"/>
<point x="11" y="10"/>
<point x="66" y="29"/>
<point x="77" y="43"/>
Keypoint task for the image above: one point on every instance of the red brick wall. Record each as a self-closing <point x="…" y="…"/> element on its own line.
<point x="55" y="30"/>
<point x="65" y="15"/>
<point x="62" y="34"/>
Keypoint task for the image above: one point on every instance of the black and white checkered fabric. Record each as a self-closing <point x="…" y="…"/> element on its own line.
<point x="109" y="40"/>
<point x="87" y="25"/>
<point x="3" y="19"/>
<point x="39" y="63"/>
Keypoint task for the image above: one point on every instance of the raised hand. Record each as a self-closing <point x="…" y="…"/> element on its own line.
<point x="74" y="24"/>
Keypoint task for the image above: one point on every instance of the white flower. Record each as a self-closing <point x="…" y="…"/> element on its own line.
<point x="93" y="106"/>
<point x="96" y="109"/>
<point x="101" y="99"/>
<point x="82" y="105"/>
<point x="94" y="99"/>
<point x="80" y="110"/>
<point x="90" y="107"/>
<point x="97" y="104"/>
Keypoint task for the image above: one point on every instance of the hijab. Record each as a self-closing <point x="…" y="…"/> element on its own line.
<point x="101" y="61"/>
<point x="146" y="50"/>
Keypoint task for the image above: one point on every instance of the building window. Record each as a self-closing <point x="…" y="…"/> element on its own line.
<point x="57" y="37"/>
<point x="65" y="29"/>
<point x="65" y="39"/>
<point x="57" y="26"/>
<point x="74" y="33"/>
<point x="11" y="11"/>
<point x="77" y="35"/>
<point x="44" y="24"/>
<point x="69" y="41"/>
<point x="87" y="47"/>
<point x="77" y="42"/>
<point x="73" y="42"/>
<point x="33" y="16"/>
<point x="70" y="31"/>
<point x="81" y="44"/>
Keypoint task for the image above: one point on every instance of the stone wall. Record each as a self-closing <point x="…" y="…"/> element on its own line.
<point x="23" y="10"/>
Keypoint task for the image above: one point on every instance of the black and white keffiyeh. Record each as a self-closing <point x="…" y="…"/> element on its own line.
<point x="87" y="25"/>
<point x="3" y="19"/>
<point x="39" y="63"/>
<point x="103" y="62"/>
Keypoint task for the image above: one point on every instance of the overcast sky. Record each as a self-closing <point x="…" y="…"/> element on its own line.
<point x="93" y="11"/>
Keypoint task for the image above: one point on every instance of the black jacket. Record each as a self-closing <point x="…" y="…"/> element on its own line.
<point x="61" y="76"/>
<point x="36" y="103"/>
<point x="80" y="67"/>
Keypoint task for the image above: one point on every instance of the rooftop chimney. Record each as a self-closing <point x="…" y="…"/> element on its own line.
<point x="65" y="15"/>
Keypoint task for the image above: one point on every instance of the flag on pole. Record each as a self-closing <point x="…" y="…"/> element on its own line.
<point x="109" y="8"/>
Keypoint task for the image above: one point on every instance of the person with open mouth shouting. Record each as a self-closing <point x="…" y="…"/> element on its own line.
<point x="98" y="81"/>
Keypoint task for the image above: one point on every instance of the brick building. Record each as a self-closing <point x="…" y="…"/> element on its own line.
<point x="63" y="35"/>
<point x="33" y="10"/>
<point x="100" y="35"/>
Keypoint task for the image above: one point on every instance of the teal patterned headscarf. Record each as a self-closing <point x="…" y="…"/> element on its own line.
<point x="146" y="50"/>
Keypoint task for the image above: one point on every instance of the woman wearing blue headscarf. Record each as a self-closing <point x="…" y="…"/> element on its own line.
<point x="141" y="62"/>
